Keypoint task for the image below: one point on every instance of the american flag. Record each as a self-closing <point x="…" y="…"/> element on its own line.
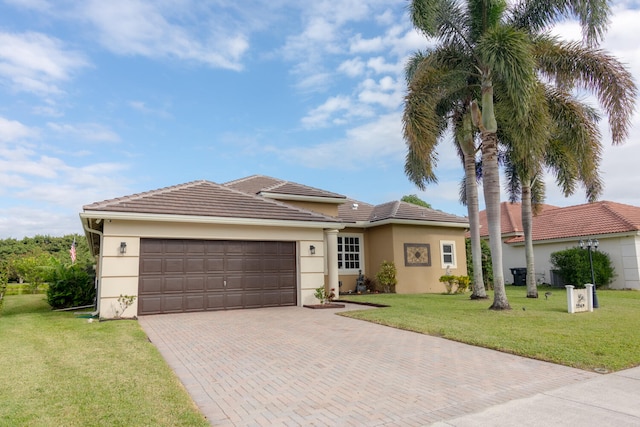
<point x="72" y="251"/>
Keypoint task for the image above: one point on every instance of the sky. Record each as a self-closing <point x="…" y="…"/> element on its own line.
<point x="103" y="99"/>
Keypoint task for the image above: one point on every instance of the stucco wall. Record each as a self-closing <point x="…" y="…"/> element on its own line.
<point x="119" y="272"/>
<point x="423" y="279"/>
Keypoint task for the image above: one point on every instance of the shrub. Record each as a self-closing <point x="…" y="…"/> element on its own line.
<point x="71" y="286"/>
<point x="386" y="276"/>
<point x="487" y="269"/>
<point x="455" y="284"/>
<point x="4" y="281"/>
<point x="573" y="265"/>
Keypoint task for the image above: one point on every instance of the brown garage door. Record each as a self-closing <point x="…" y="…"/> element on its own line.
<point x="198" y="275"/>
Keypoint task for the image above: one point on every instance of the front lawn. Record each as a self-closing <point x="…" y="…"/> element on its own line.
<point x="60" y="370"/>
<point x="608" y="338"/>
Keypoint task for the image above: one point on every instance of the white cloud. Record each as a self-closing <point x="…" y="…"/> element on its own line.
<point x="374" y="144"/>
<point x="151" y="29"/>
<point x="360" y="45"/>
<point x="353" y="67"/>
<point x="11" y="130"/>
<point x="144" y="108"/>
<point x="92" y="132"/>
<point x="36" y="63"/>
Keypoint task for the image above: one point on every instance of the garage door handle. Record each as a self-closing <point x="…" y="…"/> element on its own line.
<point x="225" y="283"/>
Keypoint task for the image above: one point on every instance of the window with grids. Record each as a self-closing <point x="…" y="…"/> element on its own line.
<point x="448" y="250"/>
<point x="349" y="252"/>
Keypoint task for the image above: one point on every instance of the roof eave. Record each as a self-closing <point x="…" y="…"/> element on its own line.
<point x="135" y="216"/>
<point x="370" y="224"/>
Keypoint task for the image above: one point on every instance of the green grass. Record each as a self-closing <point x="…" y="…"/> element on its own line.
<point x="608" y="338"/>
<point x="60" y="370"/>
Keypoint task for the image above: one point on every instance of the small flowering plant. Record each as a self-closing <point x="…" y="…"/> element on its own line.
<point x="323" y="296"/>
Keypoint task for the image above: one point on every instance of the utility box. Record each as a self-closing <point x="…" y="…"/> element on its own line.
<point x="519" y="276"/>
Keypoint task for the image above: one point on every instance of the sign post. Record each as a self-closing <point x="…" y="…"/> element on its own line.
<point x="579" y="300"/>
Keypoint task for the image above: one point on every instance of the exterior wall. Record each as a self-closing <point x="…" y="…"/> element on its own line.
<point x="423" y="279"/>
<point x="330" y="209"/>
<point x="379" y="248"/>
<point x="624" y="252"/>
<point x="118" y="273"/>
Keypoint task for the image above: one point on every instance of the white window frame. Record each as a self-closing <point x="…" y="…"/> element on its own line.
<point x="454" y="260"/>
<point x="360" y="237"/>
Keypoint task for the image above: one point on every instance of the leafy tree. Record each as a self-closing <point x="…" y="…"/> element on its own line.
<point x="573" y="265"/>
<point x="3" y="287"/>
<point x="415" y="200"/>
<point x="35" y="268"/>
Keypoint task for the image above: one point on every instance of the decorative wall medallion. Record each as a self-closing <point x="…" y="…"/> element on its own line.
<point x="417" y="255"/>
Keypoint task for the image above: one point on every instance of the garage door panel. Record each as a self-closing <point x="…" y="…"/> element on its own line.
<point x="253" y="300"/>
<point x="234" y="264"/>
<point x="215" y="301"/>
<point x="215" y="283"/>
<point x="150" y="305"/>
<point x="172" y="303"/>
<point x="195" y="265"/>
<point x="173" y="265"/>
<point x="197" y="283"/>
<point x="194" y="275"/>
<point x="151" y="266"/>
<point x="173" y="284"/>
<point x="233" y="300"/>
<point x="215" y="264"/>
<point x="194" y="302"/>
<point x="150" y="285"/>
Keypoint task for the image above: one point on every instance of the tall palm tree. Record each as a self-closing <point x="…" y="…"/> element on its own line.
<point x="492" y="44"/>
<point x="429" y="113"/>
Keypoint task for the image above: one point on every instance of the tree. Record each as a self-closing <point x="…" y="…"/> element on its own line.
<point x="491" y="44"/>
<point x="415" y="200"/>
<point x="35" y="268"/>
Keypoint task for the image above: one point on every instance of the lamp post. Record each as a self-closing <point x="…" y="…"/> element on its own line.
<point x="589" y="245"/>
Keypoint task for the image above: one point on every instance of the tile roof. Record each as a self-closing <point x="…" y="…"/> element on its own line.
<point x="590" y="219"/>
<point x="355" y="211"/>
<point x="257" y="184"/>
<point x="407" y="211"/>
<point x="205" y="198"/>
<point x="510" y="218"/>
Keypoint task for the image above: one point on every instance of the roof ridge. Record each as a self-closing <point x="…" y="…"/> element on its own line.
<point x="607" y="205"/>
<point x="246" y="178"/>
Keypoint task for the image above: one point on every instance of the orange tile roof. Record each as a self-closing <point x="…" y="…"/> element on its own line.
<point x="590" y="219"/>
<point x="510" y="218"/>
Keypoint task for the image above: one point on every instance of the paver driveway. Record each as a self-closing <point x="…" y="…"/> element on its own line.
<point x="297" y="366"/>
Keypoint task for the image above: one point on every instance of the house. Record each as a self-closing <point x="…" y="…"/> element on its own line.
<point x="615" y="225"/>
<point x="259" y="242"/>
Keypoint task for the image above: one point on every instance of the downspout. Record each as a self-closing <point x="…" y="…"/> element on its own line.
<point x="99" y="271"/>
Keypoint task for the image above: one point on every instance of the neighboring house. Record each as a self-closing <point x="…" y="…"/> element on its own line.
<point x="615" y="225"/>
<point x="259" y="242"/>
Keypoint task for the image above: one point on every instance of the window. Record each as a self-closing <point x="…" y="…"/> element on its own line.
<point x="350" y="252"/>
<point x="448" y="251"/>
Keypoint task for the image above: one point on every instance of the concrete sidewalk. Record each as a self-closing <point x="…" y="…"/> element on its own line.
<point x="607" y="400"/>
<point x="294" y="366"/>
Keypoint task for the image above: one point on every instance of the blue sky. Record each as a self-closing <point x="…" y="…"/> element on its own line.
<point x="104" y="99"/>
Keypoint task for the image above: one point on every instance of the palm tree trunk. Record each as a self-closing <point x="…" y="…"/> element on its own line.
<point x="468" y="150"/>
<point x="491" y="186"/>
<point x="527" y="225"/>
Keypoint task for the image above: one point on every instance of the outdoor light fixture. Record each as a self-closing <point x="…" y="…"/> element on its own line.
<point x="123" y="247"/>
<point x="312" y="250"/>
<point x="591" y="245"/>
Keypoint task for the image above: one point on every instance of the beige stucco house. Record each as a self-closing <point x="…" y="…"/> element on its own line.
<point x="259" y="242"/>
<point x="616" y="226"/>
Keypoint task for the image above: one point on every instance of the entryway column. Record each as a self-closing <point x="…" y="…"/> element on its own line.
<point x="332" y="261"/>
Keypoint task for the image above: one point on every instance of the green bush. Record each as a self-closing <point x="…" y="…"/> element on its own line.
<point x="573" y="265"/>
<point x="386" y="276"/>
<point x="455" y="284"/>
<point x="71" y="286"/>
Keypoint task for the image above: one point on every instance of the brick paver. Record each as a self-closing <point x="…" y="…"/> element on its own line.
<point x="294" y="366"/>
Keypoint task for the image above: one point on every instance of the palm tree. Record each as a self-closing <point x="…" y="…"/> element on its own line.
<point x="428" y="114"/>
<point x="493" y="45"/>
<point x="572" y="151"/>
